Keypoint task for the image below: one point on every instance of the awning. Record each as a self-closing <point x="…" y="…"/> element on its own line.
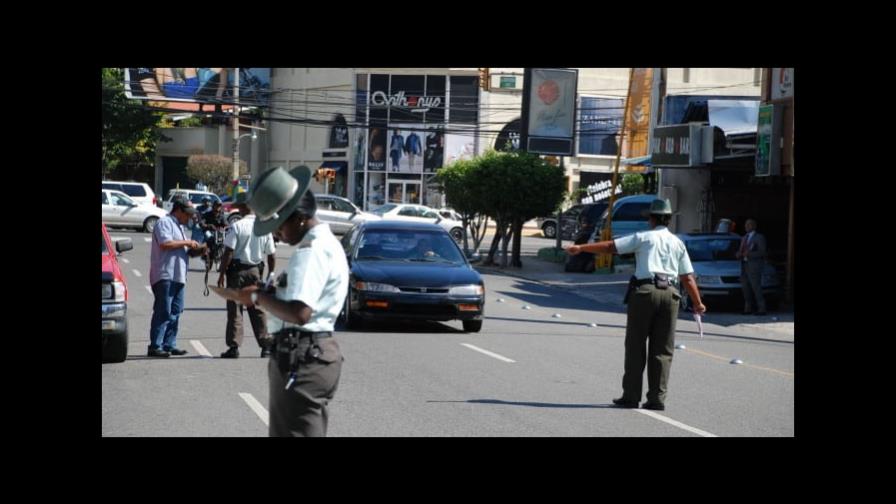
<point x="645" y="160"/>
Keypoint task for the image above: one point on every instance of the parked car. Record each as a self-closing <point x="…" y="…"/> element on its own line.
<point x="574" y="219"/>
<point x="138" y="191"/>
<point x="717" y="268"/>
<point x="629" y="216"/>
<point x="122" y="211"/>
<point x="420" y="213"/>
<point x="115" y="300"/>
<point x="410" y="270"/>
<point x="196" y="198"/>
<point x="340" y="213"/>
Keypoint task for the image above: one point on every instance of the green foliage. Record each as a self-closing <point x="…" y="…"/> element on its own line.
<point x="632" y="183"/>
<point x="130" y="131"/>
<point x="214" y="171"/>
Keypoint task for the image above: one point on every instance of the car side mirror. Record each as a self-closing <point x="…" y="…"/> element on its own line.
<point x="123" y="245"/>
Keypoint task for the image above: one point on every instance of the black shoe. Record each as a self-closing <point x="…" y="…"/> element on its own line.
<point x="231" y="353"/>
<point x="157" y="352"/>
<point x="176" y="351"/>
<point x="622" y="403"/>
<point x="265" y="352"/>
<point x="654" y="406"/>
<point x="760" y="313"/>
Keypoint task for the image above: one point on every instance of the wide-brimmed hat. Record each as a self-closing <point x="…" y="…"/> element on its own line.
<point x="275" y="195"/>
<point x="660" y="207"/>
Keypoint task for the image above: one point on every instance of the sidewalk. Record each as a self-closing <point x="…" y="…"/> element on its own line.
<point x="609" y="289"/>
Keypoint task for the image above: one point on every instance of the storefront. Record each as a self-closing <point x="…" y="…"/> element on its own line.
<point x="413" y="125"/>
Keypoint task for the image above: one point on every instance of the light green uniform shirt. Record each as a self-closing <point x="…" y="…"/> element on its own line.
<point x="656" y="251"/>
<point x="317" y="275"/>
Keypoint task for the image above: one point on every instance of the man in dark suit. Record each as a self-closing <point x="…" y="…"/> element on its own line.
<point x="752" y="253"/>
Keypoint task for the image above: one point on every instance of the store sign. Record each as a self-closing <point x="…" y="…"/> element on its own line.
<point x="768" y="141"/>
<point x="508" y="82"/>
<point x="417" y="104"/>
<point x="550" y="110"/>
<point x="597" y="186"/>
<point x="676" y="146"/>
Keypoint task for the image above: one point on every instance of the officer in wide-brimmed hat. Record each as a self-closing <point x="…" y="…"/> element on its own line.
<point x="661" y="261"/>
<point x="303" y="304"/>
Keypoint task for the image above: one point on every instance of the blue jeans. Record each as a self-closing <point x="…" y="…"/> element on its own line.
<point x="166" y="310"/>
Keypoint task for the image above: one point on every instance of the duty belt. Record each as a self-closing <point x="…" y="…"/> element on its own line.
<point x="289" y="338"/>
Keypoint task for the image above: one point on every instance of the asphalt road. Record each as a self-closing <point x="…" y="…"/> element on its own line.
<point x="528" y="373"/>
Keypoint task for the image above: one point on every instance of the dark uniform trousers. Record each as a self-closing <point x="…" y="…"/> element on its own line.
<point x="239" y="276"/>
<point x="301" y="411"/>
<point x="650" y="340"/>
<point x="751" y="284"/>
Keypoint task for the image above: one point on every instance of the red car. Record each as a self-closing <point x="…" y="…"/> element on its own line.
<point x="115" y="300"/>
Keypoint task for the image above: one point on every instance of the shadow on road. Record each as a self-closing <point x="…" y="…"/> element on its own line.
<point x="530" y="404"/>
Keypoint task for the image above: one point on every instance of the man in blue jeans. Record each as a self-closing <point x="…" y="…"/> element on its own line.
<point x="168" y="276"/>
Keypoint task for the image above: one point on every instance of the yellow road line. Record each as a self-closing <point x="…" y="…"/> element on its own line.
<point x="725" y="359"/>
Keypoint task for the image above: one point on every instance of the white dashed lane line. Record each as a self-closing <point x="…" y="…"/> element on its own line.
<point x="200" y="348"/>
<point x="676" y="423"/>
<point x="137" y="273"/>
<point x="486" y="352"/>
<point x="256" y="406"/>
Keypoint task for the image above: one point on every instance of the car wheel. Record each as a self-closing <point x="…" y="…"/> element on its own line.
<point x="116" y="347"/>
<point x="549" y="229"/>
<point x="472" y="325"/>
<point x="457" y="234"/>
<point x="150" y="223"/>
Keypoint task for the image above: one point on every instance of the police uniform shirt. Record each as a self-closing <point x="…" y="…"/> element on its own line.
<point x="248" y="248"/>
<point x="656" y="251"/>
<point x="317" y="275"/>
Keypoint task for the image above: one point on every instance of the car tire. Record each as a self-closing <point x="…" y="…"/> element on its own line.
<point x="150" y="223"/>
<point x="549" y="229"/>
<point x="457" y="234"/>
<point x="116" y="347"/>
<point x="472" y="325"/>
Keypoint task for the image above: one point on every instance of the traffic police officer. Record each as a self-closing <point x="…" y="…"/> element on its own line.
<point x="306" y="362"/>
<point x="653" y="300"/>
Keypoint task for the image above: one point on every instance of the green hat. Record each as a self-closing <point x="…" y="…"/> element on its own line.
<point x="660" y="207"/>
<point x="275" y="195"/>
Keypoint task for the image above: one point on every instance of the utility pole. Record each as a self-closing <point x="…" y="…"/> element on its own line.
<point x="236" y="126"/>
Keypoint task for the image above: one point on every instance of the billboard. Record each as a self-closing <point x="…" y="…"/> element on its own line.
<point x="599" y="122"/>
<point x="197" y="85"/>
<point x="549" y="107"/>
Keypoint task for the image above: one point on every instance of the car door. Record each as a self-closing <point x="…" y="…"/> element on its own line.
<point x="111" y="215"/>
<point x="326" y="214"/>
<point x="343" y="213"/>
<point x="124" y="210"/>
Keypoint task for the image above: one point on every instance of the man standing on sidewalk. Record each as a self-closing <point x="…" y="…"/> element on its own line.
<point x="753" y="250"/>
<point x="653" y="298"/>
<point x="168" y="277"/>
<point x="243" y="264"/>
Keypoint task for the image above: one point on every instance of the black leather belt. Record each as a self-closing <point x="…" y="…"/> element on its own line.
<point x="237" y="265"/>
<point x="644" y="281"/>
<point x="297" y="333"/>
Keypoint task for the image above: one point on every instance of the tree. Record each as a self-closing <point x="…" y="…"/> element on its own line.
<point x="130" y="130"/>
<point x="632" y="183"/>
<point x="214" y="171"/>
<point x="453" y="181"/>
<point x="511" y="188"/>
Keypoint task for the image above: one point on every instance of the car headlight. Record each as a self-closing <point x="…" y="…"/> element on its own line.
<point x="466" y="290"/>
<point x="113" y="292"/>
<point x="375" y="287"/>
<point x="709" y="279"/>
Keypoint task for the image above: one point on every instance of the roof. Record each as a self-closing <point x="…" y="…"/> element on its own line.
<point x="402" y="225"/>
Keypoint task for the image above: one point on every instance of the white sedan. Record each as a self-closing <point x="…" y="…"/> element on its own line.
<point x="340" y="213"/>
<point x="122" y="211"/>
<point x="420" y="213"/>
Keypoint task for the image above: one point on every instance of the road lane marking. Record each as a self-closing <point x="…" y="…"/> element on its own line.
<point x="125" y="261"/>
<point x="725" y="359"/>
<point x="676" y="423"/>
<point x="137" y="273"/>
<point x="149" y="289"/>
<point x="256" y="407"/>
<point x="147" y="240"/>
<point x="486" y="352"/>
<point x="200" y="348"/>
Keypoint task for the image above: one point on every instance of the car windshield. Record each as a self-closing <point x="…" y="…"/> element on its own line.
<point x="411" y="246"/>
<point x="720" y="249"/>
<point x="383" y="209"/>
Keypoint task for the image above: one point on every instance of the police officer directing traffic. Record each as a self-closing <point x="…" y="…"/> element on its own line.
<point x="302" y="308"/>
<point x="653" y="299"/>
